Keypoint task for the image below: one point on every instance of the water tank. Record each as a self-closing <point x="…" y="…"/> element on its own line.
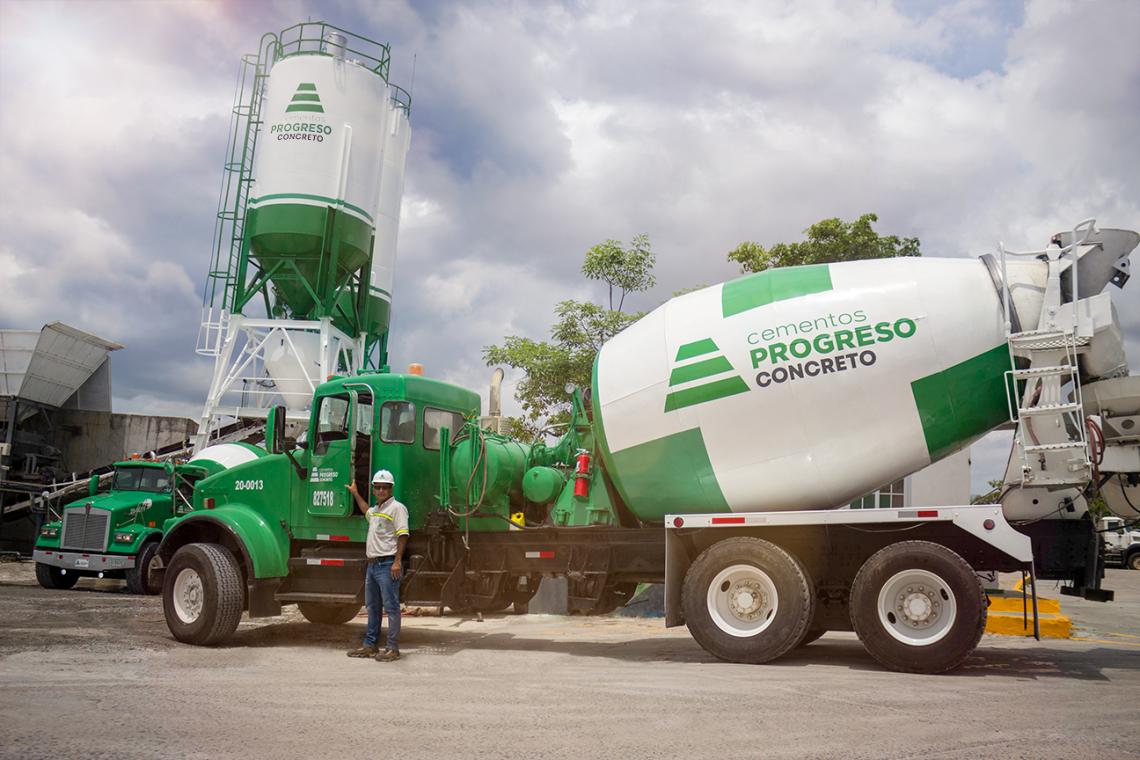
<point x="804" y="387"/>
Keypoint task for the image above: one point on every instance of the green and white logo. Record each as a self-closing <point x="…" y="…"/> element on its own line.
<point x="704" y="361"/>
<point x="305" y="99"/>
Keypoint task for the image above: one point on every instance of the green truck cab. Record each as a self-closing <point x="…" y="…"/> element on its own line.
<point x="116" y="533"/>
<point x="282" y="527"/>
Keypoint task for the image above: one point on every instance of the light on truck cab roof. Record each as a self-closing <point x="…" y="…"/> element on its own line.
<point x="415" y="368"/>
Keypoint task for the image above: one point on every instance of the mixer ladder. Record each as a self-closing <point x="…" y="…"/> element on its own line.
<point x="1051" y="439"/>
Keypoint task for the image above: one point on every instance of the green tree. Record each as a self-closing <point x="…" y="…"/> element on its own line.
<point x="629" y="270"/>
<point x="580" y="329"/>
<point x="827" y="241"/>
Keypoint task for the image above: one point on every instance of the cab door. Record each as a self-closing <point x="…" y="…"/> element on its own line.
<point x="331" y="463"/>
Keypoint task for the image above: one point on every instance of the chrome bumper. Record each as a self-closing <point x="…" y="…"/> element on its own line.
<point x="84" y="561"/>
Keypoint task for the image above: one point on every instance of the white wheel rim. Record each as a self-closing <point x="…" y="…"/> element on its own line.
<point x="742" y="600"/>
<point x="917" y="607"/>
<point x="188" y="595"/>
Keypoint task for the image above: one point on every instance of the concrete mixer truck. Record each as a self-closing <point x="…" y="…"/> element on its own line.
<point x="719" y="437"/>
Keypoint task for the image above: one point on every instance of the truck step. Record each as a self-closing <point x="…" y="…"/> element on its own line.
<point x="321" y="560"/>
<point x="1067" y="369"/>
<point x="1052" y="340"/>
<point x="1054" y="446"/>
<point x="305" y="596"/>
<point x="1030" y="411"/>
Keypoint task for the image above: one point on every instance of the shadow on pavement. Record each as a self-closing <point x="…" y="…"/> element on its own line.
<point x="1034" y="662"/>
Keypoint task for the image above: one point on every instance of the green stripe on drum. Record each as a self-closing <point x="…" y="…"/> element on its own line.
<point x="304" y="107"/>
<point x="697" y="370"/>
<point x="773" y="285"/>
<point x="962" y="402"/>
<point x="670" y="474"/>
<point x="730" y="386"/>
<point x="696" y="348"/>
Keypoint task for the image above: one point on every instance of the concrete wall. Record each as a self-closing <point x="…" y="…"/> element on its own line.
<point x="944" y="483"/>
<point x="93" y="439"/>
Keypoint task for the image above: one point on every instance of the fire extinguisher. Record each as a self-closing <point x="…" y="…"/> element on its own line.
<point x="582" y="475"/>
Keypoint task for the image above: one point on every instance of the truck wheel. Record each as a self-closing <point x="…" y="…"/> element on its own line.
<point x="918" y="607"/>
<point x="54" y="577"/>
<point x="328" y="614"/>
<point x="811" y="635"/>
<point x="1134" y="561"/>
<point x="747" y="600"/>
<point x="139" y="580"/>
<point x="202" y="596"/>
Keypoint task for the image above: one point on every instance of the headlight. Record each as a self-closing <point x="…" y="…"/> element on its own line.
<point x="124" y="538"/>
<point x="49" y="532"/>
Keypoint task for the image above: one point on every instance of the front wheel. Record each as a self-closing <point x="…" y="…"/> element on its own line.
<point x="140" y="579"/>
<point x="326" y="613"/>
<point x="202" y="595"/>
<point x="1134" y="561"/>
<point x="918" y="607"/>
<point x="747" y="600"/>
<point x="55" y="577"/>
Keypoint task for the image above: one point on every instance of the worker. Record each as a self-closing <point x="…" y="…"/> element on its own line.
<point x="387" y="537"/>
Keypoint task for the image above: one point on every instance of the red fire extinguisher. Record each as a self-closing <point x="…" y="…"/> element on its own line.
<point x="582" y="475"/>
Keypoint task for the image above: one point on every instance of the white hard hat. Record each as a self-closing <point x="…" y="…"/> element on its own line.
<point x="383" y="476"/>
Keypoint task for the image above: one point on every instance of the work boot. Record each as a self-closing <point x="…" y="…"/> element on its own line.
<point x="388" y="655"/>
<point x="363" y="652"/>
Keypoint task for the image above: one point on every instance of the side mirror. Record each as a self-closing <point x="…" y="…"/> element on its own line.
<point x="275" y="430"/>
<point x="93" y="485"/>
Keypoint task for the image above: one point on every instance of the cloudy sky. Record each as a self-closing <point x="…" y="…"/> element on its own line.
<point x="541" y="129"/>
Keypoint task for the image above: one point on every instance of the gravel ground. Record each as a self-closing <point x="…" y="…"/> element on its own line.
<point x="93" y="672"/>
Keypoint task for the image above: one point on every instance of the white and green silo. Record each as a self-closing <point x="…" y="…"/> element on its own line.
<point x="305" y="247"/>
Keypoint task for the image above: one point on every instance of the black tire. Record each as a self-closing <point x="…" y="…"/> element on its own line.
<point x="783" y="625"/>
<point x="54" y="577"/>
<point x="207" y="614"/>
<point x="139" y="580"/>
<point x="1133" y="561"/>
<point x="952" y="638"/>
<point x="325" y="613"/>
<point x="521" y="608"/>
<point x="811" y="635"/>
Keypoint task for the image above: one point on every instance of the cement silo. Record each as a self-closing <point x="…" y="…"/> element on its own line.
<point x="301" y="282"/>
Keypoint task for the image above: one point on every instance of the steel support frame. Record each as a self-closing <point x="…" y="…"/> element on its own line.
<point x="240" y="358"/>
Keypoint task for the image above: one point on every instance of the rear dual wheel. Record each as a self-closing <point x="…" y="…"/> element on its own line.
<point x="918" y="607"/>
<point x="325" y="613"/>
<point x="747" y="600"/>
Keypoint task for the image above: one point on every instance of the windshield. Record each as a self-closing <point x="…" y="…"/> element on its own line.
<point x="141" y="479"/>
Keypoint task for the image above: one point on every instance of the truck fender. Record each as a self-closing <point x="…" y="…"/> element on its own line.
<point x="262" y="548"/>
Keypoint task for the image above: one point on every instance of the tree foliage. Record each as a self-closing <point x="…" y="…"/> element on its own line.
<point x="579" y="330"/>
<point x="827" y="241"/>
<point x="628" y="270"/>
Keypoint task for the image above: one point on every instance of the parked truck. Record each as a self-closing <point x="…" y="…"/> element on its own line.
<point x="1121" y="542"/>
<point x="719" y="437"/>
<point x="116" y="533"/>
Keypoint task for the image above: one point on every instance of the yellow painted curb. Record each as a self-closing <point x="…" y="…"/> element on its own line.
<point x="1053" y="626"/>
<point x="1013" y="603"/>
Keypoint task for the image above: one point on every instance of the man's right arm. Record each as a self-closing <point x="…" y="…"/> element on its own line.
<point x="361" y="504"/>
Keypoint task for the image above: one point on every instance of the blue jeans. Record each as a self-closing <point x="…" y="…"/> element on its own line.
<point x="380" y="588"/>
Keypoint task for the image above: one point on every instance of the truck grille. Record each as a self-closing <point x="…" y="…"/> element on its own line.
<point x="85" y="530"/>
